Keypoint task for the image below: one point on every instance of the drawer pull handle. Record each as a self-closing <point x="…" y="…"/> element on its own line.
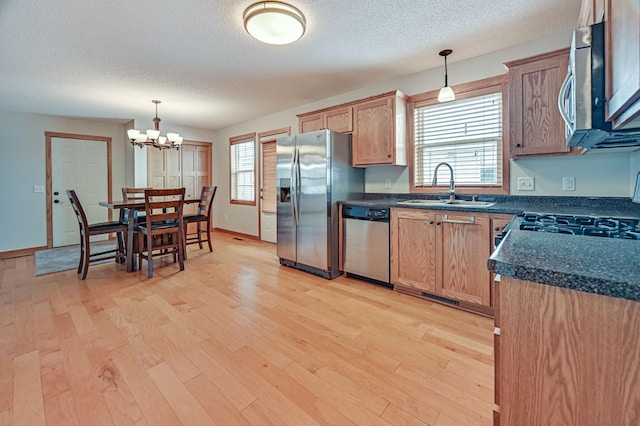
<point x="471" y="221"/>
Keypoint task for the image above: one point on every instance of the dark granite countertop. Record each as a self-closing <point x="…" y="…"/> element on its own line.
<point x="606" y="266"/>
<point x="509" y="204"/>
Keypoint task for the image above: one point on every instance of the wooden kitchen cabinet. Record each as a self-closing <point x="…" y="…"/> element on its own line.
<point x="535" y="124"/>
<point x="311" y="122"/>
<point x="413" y="250"/>
<point x="338" y="119"/>
<point x="442" y="256"/>
<point x="380" y="131"/>
<point x="566" y="357"/>
<point x="465" y="246"/>
<point x="591" y="12"/>
<point x="623" y="63"/>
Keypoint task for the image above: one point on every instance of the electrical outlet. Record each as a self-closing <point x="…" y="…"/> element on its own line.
<point x="569" y="183"/>
<point x="38" y="188"/>
<point x="387" y="184"/>
<point x="525" y="183"/>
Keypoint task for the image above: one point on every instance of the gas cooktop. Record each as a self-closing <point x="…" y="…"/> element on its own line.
<point x="611" y="227"/>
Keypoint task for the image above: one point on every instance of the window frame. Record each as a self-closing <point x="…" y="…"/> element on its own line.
<point x="463" y="91"/>
<point x="236" y="140"/>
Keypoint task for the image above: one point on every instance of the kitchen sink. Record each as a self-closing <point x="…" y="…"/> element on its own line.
<point x="444" y="203"/>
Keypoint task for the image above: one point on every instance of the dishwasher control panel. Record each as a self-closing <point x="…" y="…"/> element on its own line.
<point x="365" y="213"/>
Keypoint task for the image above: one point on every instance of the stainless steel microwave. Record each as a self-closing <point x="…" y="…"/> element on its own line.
<point x="582" y="100"/>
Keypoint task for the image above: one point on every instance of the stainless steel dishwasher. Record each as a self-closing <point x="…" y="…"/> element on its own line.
<point x="366" y="243"/>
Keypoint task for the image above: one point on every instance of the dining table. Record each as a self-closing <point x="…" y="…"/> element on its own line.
<point x="133" y="205"/>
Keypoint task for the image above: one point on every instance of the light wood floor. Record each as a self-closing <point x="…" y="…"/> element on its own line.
<point x="235" y="339"/>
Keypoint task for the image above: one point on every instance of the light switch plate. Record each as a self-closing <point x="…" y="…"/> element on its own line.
<point x="525" y="183"/>
<point x="568" y="183"/>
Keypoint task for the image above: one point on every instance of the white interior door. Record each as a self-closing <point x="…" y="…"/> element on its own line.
<point x="268" y="218"/>
<point x="81" y="165"/>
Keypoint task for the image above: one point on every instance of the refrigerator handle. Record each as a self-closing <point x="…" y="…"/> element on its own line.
<point x="298" y="187"/>
<point x="294" y="197"/>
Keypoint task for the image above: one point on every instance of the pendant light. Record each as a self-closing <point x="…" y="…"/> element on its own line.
<point x="446" y="93"/>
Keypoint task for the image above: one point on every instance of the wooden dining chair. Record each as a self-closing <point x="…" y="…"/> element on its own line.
<point x="163" y="230"/>
<point x="202" y="217"/>
<point x="129" y="194"/>
<point x="88" y="230"/>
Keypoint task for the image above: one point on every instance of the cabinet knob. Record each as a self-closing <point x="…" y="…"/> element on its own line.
<point x="497" y="228"/>
<point x="518" y="145"/>
<point x="430" y="222"/>
<point x="388" y="155"/>
<point x="437" y="223"/>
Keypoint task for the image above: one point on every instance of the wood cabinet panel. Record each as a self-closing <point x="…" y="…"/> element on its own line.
<point x="466" y="246"/>
<point x="378" y="125"/>
<point x="623" y="62"/>
<point x="340" y="119"/>
<point x="443" y="253"/>
<point x="311" y="123"/>
<point x="535" y="124"/>
<point x="373" y="134"/>
<point x="413" y="248"/>
<point x="569" y="358"/>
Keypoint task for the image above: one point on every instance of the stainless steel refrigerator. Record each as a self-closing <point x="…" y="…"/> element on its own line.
<point x="313" y="173"/>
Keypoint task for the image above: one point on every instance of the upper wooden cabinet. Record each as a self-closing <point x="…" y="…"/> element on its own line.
<point x="623" y="63"/>
<point x="380" y="131"/>
<point x="338" y="119"/>
<point x="378" y="125"/>
<point x="591" y="12"/>
<point x="535" y="124"/>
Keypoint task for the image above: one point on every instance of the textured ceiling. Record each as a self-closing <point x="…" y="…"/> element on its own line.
<point x="108" y="58"/>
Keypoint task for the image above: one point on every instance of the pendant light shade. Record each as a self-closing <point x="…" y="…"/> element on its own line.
<point x="446" y="93"/>
<point x="274" y="22"/>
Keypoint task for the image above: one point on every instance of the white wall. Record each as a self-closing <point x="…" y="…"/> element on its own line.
<point x="599" y="174"/>
<point x="23" y="165"/>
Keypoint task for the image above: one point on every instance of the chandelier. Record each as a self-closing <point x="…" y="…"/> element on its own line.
<point x="152" y="137"/>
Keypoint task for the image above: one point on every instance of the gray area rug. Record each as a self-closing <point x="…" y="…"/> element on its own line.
<point x="65" y="258"/>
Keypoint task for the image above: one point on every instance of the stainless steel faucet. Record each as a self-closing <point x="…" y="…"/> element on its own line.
<point x="452" y="185"/>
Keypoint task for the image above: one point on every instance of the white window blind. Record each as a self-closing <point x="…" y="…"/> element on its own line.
<point x="243" y="171"/>
<point x="467" y="134"/>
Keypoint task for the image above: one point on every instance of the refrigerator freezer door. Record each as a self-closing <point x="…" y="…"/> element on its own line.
<point x="285" y="150"/>
<point x="313" y="203"/>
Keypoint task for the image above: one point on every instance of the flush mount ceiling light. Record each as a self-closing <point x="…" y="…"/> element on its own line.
<point x="152" y="137"/>
<point x="446" y="93"/>
<point x="274" y="22"/>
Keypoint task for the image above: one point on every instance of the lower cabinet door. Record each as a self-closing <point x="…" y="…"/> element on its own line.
<point x="465" y="248"/>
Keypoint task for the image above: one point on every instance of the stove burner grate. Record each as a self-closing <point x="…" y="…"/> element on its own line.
<point x="610" y="227"/>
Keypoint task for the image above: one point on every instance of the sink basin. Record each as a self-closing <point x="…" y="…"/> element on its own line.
<point x="467" y="203"/>
<point x="444" y="203"/>
<point x="422" y="202"/>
